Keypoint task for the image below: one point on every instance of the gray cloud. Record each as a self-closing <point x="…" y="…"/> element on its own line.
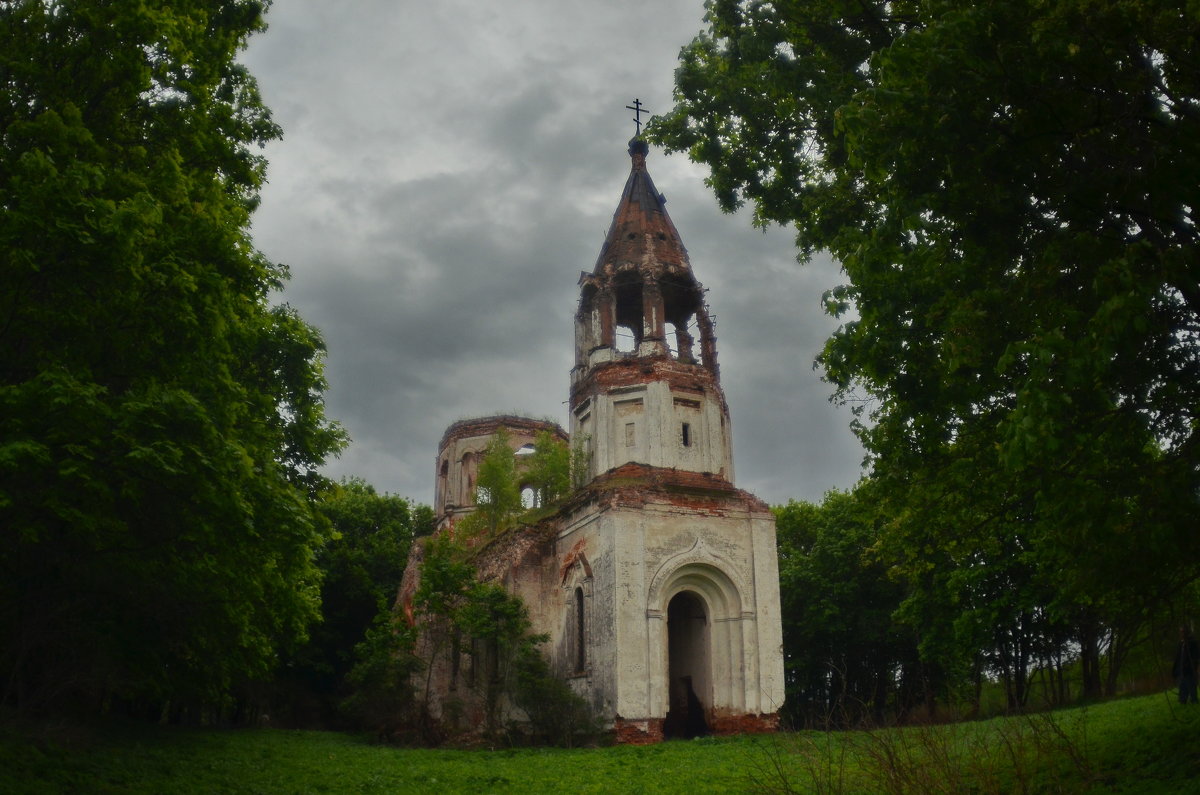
<point x="448" y="169"/>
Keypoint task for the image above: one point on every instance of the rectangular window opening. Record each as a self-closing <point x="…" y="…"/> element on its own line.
<point x="687" y="435"/>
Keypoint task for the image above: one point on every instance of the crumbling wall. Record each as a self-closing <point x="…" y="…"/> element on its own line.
<point x="459" y="453"/>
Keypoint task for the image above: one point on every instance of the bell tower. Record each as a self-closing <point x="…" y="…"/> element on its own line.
<point x="646" y="386"/>
<point x="676" y="628"/>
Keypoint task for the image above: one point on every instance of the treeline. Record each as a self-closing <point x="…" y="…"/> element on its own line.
<point x="361" y="565"/>
<point x="881" y="626"/>
<point x="170" y="547"/>
<point x="1010" y="187"/>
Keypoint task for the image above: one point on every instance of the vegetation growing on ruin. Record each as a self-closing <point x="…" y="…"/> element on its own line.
<point x="1011" y="187"/>
<point x="503" y="475"/>
<point x="456" y="613"/>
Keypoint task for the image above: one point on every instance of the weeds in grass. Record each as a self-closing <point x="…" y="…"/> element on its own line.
<point x="1136" y="745"/>
<point x="821" y="756"/>
<point x="1030" y="753"/>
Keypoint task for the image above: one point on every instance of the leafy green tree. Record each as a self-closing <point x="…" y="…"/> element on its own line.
<point x="364" y="561"/>
<point x="843" y="649"/>
<point x="1011" y="187"/>
<point x="361" y="567"/>
<point x="381" y="696"/>
<point x="457" y="613"/>
<point x="161" y="423"/>
<point x="548" y="469"/>
<point x="557" y="714"/>
<point x="502" y="476"/>
<point x="497" y="489"/>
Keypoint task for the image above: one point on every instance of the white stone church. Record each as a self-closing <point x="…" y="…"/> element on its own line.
<point x="658" y="581"/>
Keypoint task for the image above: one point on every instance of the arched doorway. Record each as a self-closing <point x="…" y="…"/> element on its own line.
<point x="719" y="678"/>
<point x="689" y="666"/>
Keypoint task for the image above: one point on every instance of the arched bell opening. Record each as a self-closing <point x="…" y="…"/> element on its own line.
<point x="681" y="300"/>
<point x="689" y="666"/>
<point x="629" y="315"/>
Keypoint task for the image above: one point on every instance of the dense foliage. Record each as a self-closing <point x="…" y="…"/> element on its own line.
<point x="846" y="658"/>
<point x="549" y="469"/>
<point x="361" y="566"/>
<point x="1012" y="190"/>
<point x="161" y="422"/>
<point x="854" y="626"/>
<point x="457" y="615"/>
<point x="471" y="631"/>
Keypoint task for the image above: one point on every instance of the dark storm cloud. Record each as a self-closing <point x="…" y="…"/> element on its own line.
<point x="447" y="171"/>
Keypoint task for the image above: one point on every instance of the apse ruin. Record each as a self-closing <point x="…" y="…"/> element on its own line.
<point x="657" y="581"/>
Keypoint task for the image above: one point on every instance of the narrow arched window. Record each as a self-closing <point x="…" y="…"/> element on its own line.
<point x="580" y="645"/>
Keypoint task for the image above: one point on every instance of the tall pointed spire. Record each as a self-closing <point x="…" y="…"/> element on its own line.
<point x="642" y="233"/>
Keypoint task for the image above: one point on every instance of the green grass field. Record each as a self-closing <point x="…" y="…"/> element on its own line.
<point x="1148" y="744"/>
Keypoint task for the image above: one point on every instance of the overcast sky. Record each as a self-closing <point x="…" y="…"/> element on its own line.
<point x="446" y="171"/>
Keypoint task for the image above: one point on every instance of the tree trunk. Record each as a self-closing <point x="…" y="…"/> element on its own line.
<point x="1089" y="659"/>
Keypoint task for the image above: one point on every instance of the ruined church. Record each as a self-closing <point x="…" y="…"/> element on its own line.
<point x="657" y="581"/>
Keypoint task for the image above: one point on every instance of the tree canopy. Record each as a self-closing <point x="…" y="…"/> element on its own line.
<point x="1011" y="187"/>
<point x="844" y="655"/>
<point x="361" y="567"/>
<point x="161" y="422"/>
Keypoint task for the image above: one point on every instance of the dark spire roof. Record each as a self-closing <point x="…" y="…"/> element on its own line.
<point x="642" y="233"/>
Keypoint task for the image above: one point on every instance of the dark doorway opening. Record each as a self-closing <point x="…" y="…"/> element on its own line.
<point x="687" y="667"/>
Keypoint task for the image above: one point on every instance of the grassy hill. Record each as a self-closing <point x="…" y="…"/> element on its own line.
<point x="1148" y="744"/>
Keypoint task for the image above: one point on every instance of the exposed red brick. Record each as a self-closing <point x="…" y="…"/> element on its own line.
<point x="486" y="426"/>
<point x="410" y="580"/>
<point x="642" y="232"/>
<point x="572" y="557"/>
<point x="744" y="724"/>
<point x="635" y="371"/>
<point x="636" y="485"/>
<point x="500" y="556"/>
<point x="650" y="730"/>
<point x="647" y="731"/>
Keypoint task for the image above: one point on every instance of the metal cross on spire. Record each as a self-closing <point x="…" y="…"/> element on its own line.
<point x="638" y="110"/>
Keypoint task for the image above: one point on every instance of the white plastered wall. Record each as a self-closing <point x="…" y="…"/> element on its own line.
<point x="643" y="424"/>
<point x="640" y="559"/>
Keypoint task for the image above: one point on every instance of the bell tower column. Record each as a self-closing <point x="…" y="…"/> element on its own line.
<point x="653" y="324"/>
<point x="605" y="307"/>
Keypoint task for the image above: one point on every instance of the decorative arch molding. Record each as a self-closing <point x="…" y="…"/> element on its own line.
<point x="709" y="582"/>
<point x="702" y="570"/>
<point x="708" y="575"/>
<point x="576" y="569"/>
<point x="578" y="585"/>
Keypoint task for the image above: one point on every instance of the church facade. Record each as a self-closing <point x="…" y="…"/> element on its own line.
<point x="657" y="581"/>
